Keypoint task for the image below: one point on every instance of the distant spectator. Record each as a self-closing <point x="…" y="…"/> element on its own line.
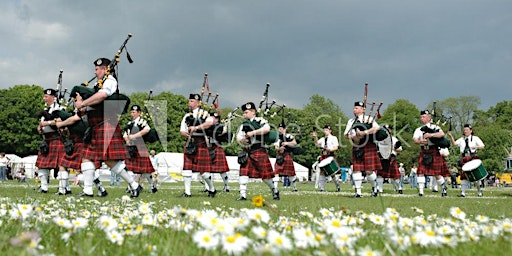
<point x="3" y="166"/>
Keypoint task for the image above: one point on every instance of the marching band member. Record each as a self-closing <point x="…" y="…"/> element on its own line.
<point x="50" y="153"/>
<point x="196" y="157"/>
<point x="468" y="144"/>
<point x="284" y="145"/>
<point x="364" y="151"/>
<point x="139" y="162"/>
<point x="106" y="143"/>
<point x="257" y="165"/>
<point x="329" y="144"/>
<point x="431" y="162"/>
<point x="219" y="134"/>
<point x="390" y="165"/>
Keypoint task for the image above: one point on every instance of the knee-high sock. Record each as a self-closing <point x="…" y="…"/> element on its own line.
<point x="120" y="169"/>
<point x="150" y="180"/>
<point x="61" y="176"/>
<point x="380" y="184"/>
<point x="293" y="180"/>
<point x="397" y="183"/>
<point x="421" y="183"/>
<point x="479" y="186"/>
<point x="275" y="180"/>
<point x="270" y="183"/>
<point x="187" y="180"/>
<point x="207" y="177"/>
<point x="358" y="181"/>
<point x="97" y="181"/>
<point x="43" y="177"/>
<point x="371" y="179"/>
<point x="463" y="186"/>
<point x="225" y="179"/>
<point x="317" y="179"/>
<point x="321" y="182"/>
<point x="88" y="169"/>
<point x="440" y="182"/>
<point x="243" y="180"/>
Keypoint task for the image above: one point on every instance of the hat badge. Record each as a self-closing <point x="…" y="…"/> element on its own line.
<point x="248" y="106"/>
<point x="48" y="91"/>
<point x="196" y="97"/>
<point x="98" y="62"/>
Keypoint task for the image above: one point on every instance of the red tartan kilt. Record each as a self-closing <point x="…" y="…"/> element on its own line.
<point x="392" y="171"/>
<point x="107" y="143"/>
<point x="74" y="161"/>
<point x="54" y="156"/>
<point x="464" y="160"/>
<point x="438" y="167"/>
<point x="199" y="162"/>
<point x="139" y="165"/>
<point x="220" y="164"/>
<point x="287" y="168"/>
<point x="371" y="161"/>
<point x="258" y="165"/>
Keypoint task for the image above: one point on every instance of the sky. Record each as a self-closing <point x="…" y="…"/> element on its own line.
<point x="422" y="51"/>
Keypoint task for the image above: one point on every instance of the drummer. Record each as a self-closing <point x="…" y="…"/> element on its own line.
<point x="329" y="144"/>
<point x="469" y="144"/>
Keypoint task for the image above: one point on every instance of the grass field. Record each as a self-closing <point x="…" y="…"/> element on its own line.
<point x="306" y="222"/>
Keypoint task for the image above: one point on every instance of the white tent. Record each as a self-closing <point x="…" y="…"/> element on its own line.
<point x="27" y="162"/>
<point x="170" y="166"/>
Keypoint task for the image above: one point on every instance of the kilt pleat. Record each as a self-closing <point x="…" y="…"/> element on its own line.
<point x="139" y="165"/>
<point x="370" y="161"/>
<point x="200" y="161"/>
<point x="220" y="165"/>
<point x="54" y="156"/>
<point x="438" y="166"/>
<point x="287" y="168"/>
<point x="106" y="144"/>
<point x="392" y="171"/>
<point x="258" y="165"/>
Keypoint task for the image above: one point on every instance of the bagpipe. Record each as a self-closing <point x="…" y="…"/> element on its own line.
<point x="442" y="142"/>
<point x="86" y="92"/>
<point x="367" y="122"/>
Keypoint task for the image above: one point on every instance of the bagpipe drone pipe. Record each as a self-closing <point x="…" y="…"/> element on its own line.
<point x="367" y="122"/>
<point x="442" y="142"/>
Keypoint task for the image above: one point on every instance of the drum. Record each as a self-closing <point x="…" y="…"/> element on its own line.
<point x="474" y="170"/>
<point x="329" y="166"/>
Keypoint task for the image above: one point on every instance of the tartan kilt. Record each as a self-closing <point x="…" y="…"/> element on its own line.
<point x="438" y="166"/>
<point x="54" y="156"/>
<point x="463" y="161"/>
<point x="220" y="165"/>
<point x="200" y="161"/>
<point x="370" y="161"/>
<point x="107" y="142"/>
<point x="258" y="165"/>
<point x="287" y="168"/>
<point x="392" y="171"/>
<point x="139" y="165"/>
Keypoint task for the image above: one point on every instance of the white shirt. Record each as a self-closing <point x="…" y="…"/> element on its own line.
<point x="360" y="118"/>
<point x="4" y="161"/>
<point x="196" y="113"/>
<point x="473" y="142"/>
<point x="240" y="135"/>
<point x="332" y="142"/>
<point x="109" y="85"/>
<point x="418" y="133"/>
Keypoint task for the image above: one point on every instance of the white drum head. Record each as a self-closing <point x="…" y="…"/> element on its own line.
<point x="325" y="162"/>
<point x="471" y="165"/>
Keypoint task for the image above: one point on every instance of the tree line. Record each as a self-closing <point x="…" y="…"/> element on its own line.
<point x="21" y="104"/>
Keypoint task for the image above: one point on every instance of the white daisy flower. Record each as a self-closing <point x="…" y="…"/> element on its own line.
<point x="107" y="223"/>
<point x="235" y="244"/>
<point x="457" y="213"/>
<point x="115" y="237"/>
<point x="205" y="239"/>
<point x="279" y="241"/>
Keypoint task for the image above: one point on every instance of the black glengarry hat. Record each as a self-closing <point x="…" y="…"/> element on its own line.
<point x="194" y="96"/>
<point x="136" y="108"/>
<point x="248" y="105"/>
<point x="52" y="92"/>
<point x="359" y="104"/>
<point x="101" y="62"/>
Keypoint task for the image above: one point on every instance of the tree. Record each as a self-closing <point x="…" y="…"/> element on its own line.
<point x="20" y="107"/>
<point x="461" y="109"/>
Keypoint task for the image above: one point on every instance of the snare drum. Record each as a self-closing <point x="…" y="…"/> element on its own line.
<point x="474" y="170"/>
<point x="329" y="166"/>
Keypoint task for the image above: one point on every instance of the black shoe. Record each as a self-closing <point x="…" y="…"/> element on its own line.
<point x="461" y="195"/>
<point x="400" y="191"/>
<point x="357" y="196"/>
<point x="60" y="193"/>
<point x="103" y="193"/>
<point x="338" y="189"/>
<point x="185" y="195"/>
<point x="128" y="190"/>
<point x="275" y="195"/>
<point x="435" y="191"/>
<point x="421" y="194"/>
<point x="444" y="192"/>
<point x="241" y="198"/>
<point x="42" y="191"/>
<point x="154" y="190"/>
<point x="68" y="192"/>
<point x="204" y="190"/>
<point x="294" y="190"/>
<point x="83" y="194"/>
<point x="226" y="189"/>
<point x="375" y="194"/>
<point x="480" y="195"/>
<point x="136" y="192"/>
<point x="212" y="194"/>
